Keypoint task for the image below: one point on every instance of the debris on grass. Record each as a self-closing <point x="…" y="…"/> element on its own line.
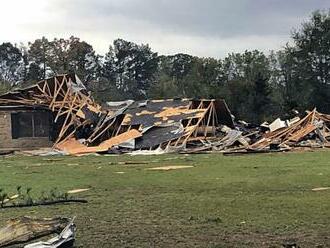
<point x="76" y="191"/>
<point x="129" y="162"/>
<point x="45" y="151"/>
<point x="24" y="229"/>
<point x="171" y="167"/>
<point x="290" y="245"/>
<point x="10" y="198"/>
<point x="321" y="189"/>
<point x="65" y="239"/>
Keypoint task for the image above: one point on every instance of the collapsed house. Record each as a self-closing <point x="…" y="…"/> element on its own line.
<point x="59" y="112"/>
<point x="45" y="113"/>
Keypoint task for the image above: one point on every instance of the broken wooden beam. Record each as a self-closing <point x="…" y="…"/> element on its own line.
<point x="24" y="229"/>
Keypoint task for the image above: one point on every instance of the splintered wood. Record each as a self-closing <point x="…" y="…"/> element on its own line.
<point x="289" y="136"/>
<point x="25" y="229"/>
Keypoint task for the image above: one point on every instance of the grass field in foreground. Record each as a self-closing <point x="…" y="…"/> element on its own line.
<point x="244" y="201"/>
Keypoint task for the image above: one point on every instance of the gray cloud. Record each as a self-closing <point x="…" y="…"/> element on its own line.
<point x="209" y="17"/>
<point x="204" y="28"/>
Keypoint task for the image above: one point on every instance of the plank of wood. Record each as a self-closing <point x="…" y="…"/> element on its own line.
<point x="300" y="134"/>
<point x="73" y="146"/>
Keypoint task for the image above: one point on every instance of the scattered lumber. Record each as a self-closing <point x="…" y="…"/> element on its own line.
<point x="312" y="126"/>
<point x="24" y="229"/>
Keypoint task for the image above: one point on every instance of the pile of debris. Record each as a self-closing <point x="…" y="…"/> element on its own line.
<point x="81" y="126"/>
<point x="166" y="125"/>
<point x="311" y="131"/>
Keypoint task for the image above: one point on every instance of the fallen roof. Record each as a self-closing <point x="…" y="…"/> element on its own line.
<point x="166" y="121"/>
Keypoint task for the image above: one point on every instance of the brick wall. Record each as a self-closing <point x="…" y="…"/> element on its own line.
<point x="6" y="140"/>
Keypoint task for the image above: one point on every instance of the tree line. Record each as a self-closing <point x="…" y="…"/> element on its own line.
<point x="255" y="85"/>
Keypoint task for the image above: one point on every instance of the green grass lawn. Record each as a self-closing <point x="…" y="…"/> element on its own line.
<point x="241" y="201"/>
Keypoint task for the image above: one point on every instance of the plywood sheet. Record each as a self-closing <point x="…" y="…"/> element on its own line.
<point x="74" y="147"/>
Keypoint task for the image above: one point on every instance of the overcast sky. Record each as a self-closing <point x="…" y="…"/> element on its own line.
<point x="198" y="27"/>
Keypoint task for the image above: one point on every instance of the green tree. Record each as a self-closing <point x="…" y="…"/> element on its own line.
<point x="12" y="65"/>
<point x="310" y="58"/>
<point x="261" y="98"/>
<point x="49" y="58"/>
<point x="83" y="60"/>
<point x="38" y="60"/>
<point x="132" y="67"/>
<point x="245" y="79"/>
